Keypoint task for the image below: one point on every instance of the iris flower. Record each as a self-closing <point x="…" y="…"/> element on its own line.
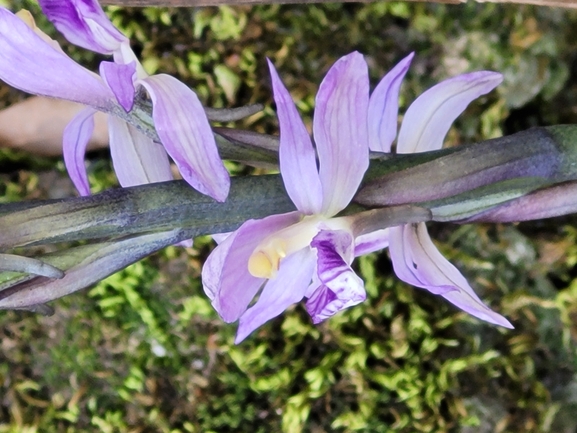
<point x="308" y="253"/>
<point x="32" y="62"/>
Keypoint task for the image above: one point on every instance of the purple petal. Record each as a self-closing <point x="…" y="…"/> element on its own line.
<point x="182" y="126"/>
<point x="84" y="23"/>
<point x="31" y="64"/>
<point x="417" y="261"/>
<point x="341" y="287"/>
<point x="419" y="264"/>
<point x="297" y="156"/>
<point x="317" y="303"/>
<point x="384" y="107"/>
<point x="371" y="242"/>
<point x="340" y="131"/>
<point x="74" y="141"/>
<point x="120" y="78"/>
<point x="137" y="159"/>
<point x="287" y="288"/>
<point x="225" y="276"/>
<point x="429" y="118"/>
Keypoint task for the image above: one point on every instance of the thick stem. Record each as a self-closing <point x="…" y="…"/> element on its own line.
<point x="446" y="173"/>
<point x="145" y="208"/>
<point x="455" y="183"/>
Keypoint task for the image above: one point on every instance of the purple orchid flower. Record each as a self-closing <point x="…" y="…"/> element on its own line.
<point x="415" y="258"/>
<point x="307" y="253"/>
<point x="34" y="63"/>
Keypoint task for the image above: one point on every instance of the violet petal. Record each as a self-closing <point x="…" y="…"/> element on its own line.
<point x="422" y="265"/>
<point x="297" y="156"/>
<point x="120" y="78"/>
<point x="137" y="159"/>
<point x="184" y="130"/>
<point x="287" y="288"/>
<point x="341" y="132"/>
<point x="313" y="286"/>
<point x="371" y="242"/>
<point x="430" y="116"/>
<point x="220" y="237"/>
<point x="225" y="276"/>
<point x="341" y="287"/>
<point x="384" y="107"/>
<point x="74" y="141"/>
<point x="29" y="63"/>
<point x="84" y="23"/>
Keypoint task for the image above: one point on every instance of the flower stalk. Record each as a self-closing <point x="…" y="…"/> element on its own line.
<point x="141" y="216"/>
<point x="169" y="205"/>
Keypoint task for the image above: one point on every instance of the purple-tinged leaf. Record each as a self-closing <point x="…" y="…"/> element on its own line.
<point x="90" y="264"/>
<point x="384" y="107"/>
<point x="430" y="116"/>
<point x="186" y="135"/>
<point x="298" y="165"/>
<point x="341" y="132"/>
<point x="28" y="265"/>
<point x="74" y="141"/>
<point x="545" y="203"/>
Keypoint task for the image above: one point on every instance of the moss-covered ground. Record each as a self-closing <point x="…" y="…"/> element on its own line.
<point x="143" y="351"/>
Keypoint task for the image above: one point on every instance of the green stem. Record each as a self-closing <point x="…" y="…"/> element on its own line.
<point x="454" y="183"/>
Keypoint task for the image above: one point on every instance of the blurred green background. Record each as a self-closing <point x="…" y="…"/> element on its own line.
<point x="143" y="351"/>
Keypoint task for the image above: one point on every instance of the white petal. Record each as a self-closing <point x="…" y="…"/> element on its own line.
<point x="429" y="118"/>
<point x="137" y="159"/>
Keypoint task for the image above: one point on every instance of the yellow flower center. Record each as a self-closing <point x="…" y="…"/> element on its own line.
<point x="264" y="261"/>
